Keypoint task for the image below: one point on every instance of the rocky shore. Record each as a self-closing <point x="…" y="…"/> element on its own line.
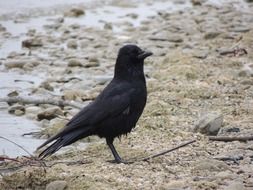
<point x="199" y="84"/>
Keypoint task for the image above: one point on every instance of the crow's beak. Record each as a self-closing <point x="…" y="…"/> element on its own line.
<point x="144" y="54"/>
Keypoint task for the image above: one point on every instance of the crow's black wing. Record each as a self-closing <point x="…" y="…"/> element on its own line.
<point x="114" y="100"/>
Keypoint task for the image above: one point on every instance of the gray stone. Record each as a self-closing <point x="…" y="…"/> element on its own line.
<point x="75" y="63"/>
<point x="108" y="26"/>
<point x="211" y="35"/>
<point x="246" y="71"/>
<point x="241" y="29"/>
<point x="17" y="110"/>
<point x="14" y="64"/>
<point x="72" y="44"/>
<point x="91" y="64"/>
<point x="211" y="165"/>
<point x="132" y="15"/>
<point x="46" y="85"/>
<point x="32" y="42"/>
<point x="13" y="94"/>
<point x="74" y="12"/>
<point x="247" y="82"/>
<point x="32" y="63"/>
<point x="200" y="54"/>
<point x="209" y="123"/>
<point x="234" y="185"/>
<point x="57" y="185"/>
<point x="225" y="175"/>
<point x="2" y="28"/>
<point x="73" y="94"/>
<point x="176" y="184"/>
<point x="197" y="2"/>
<point x="50" y="113"/>
<point x="175" y="38"/>
<point x="54" y="126"/>
<point x="32" y="109"/>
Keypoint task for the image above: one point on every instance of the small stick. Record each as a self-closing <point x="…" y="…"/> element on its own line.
<point x="238" y="51"/>
<point x="235" y="159"/>
<point x="230" y="139"/>
<point x="11" y="159"/>
<point x="40" y="101"/>
<point x="31" y="133"/>
<point x="167" y="151"/>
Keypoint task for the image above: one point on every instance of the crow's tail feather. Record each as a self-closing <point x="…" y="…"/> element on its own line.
<point x="63" y="141"/>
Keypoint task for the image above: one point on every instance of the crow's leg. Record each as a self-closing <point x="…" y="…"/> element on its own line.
<point x="114" y="152"/>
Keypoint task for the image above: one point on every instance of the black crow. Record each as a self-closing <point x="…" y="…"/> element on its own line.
<point x="115" y="111"/>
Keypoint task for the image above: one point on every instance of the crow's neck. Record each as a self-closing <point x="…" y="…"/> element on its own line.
<point x="124" y="72"/>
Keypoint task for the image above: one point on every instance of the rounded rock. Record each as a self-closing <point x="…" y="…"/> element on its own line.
<point x="57" y="185"/>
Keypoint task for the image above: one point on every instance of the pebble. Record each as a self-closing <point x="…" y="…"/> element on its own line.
<point x="176" y="184"/>
<point x="31" y="64"/>
<point x="197" y="2"/>
<point x="54" y="126"/>
<point x="32" y="109"/>
<point x="74" y="12"/>
<point x="91" y="64"/>
<point x="132" y="15"/>
<point x="72" y="94"/>
<point x="13" y="94"/>
<point x="211" y="35"/>
<point x="240" y="29"/>
<point x="246" y="71"/>
<point x="14" y="64"/>
<point x="225" y="175"/>
<point x="2" y="28"/>
<point x="50" y="113"/>
<point x="200" y="54"/>
<point x="108" y="26"/>
<point x="32" y="42"/>
<point x="57" y="185"/>
<point x="209" y="123"/>
<point x="46" y="85"/>
<point x="235" y="186"/>
<point x="72" y="44"/>
<point x="211" y="165"/>
<point x="175" y="39"/>
<point x="17" y="109"/>
<point x="75" y="63"/>
<point x="14" y="54"/>
<point x="19" y="112"/>
<point x="247" y="82"/>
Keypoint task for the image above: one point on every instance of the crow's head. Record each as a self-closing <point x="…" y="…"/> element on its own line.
<point x="130" y="59"/>
<point x="133" y="53"/>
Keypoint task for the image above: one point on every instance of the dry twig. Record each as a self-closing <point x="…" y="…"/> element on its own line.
<point x="167" y="151"/>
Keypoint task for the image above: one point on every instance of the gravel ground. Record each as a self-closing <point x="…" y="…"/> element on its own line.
<point x="200" y="76"/>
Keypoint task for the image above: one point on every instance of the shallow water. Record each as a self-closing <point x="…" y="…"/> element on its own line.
<point x="12" y="128"/>
<point x="92" y="18"/>
<point x="17" y="7"/>
<point x="11" y="81"/>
